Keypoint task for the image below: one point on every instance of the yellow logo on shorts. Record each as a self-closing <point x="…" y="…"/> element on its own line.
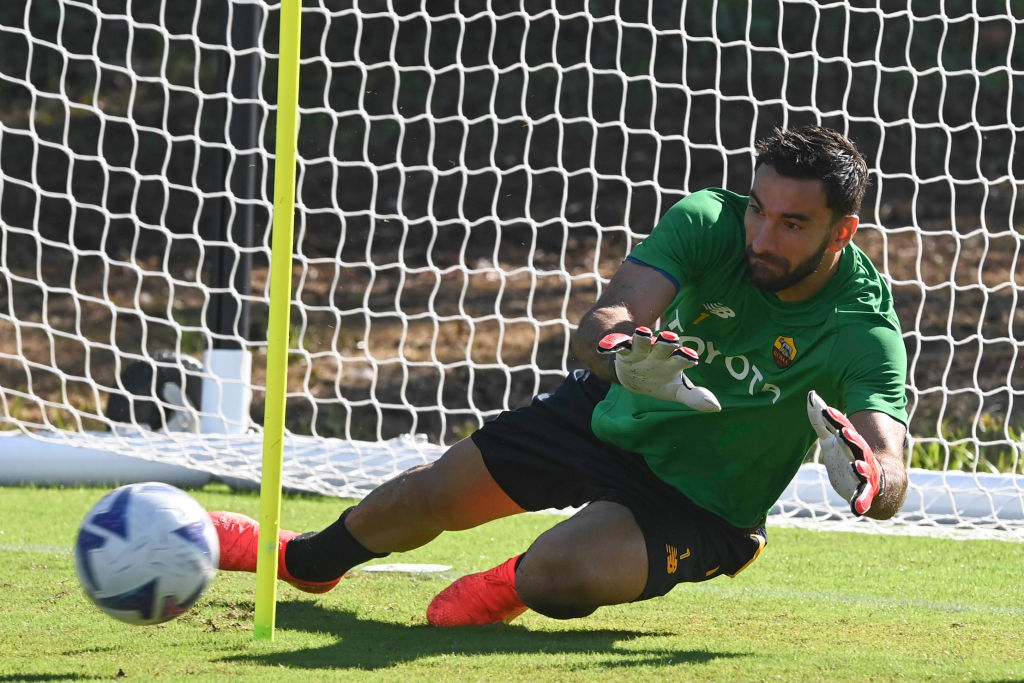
<point x="674" y="557"/>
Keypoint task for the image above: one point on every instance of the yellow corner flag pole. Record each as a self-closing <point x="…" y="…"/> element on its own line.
<point x="278" y="324"/>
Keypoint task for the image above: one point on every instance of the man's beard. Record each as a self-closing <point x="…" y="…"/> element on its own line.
<point x="767" y="281"/>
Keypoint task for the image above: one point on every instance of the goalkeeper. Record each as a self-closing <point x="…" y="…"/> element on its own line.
<point x="744" y="330"/>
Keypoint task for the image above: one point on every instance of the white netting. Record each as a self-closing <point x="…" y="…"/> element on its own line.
<point x="470" y="174"/>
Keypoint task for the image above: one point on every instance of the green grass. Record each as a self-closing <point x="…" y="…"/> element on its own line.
<point x="815" y="606"/>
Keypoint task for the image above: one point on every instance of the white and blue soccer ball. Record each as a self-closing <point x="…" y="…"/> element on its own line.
<point x="146" y="553"/>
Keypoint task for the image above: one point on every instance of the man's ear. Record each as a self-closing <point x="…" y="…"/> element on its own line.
<point x="844" y="228"/>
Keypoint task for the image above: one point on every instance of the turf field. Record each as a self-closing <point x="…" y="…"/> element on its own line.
<point x="815" y="606"/>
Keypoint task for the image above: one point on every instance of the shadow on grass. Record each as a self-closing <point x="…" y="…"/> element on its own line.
<point x="367" y="644"/>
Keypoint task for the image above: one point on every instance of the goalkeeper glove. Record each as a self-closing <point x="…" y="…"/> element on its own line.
<point x="654" y="366"/>
<point x="852" y="468"/>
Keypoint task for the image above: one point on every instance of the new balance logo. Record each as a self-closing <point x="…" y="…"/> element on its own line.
<point x="722" y="311"/>
<point x="674" y="557"/>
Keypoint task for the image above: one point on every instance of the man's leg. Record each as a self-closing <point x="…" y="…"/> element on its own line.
<point x="596" y="557"/>
<point x="454" y="492"/>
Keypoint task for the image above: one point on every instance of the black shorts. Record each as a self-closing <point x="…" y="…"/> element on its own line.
<point x="545" y="456"/>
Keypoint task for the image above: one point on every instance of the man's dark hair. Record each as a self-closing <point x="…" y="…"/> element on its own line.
<point x="817" y="153"/>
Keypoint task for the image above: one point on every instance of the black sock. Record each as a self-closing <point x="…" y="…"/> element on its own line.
<point x="326" y="555"/>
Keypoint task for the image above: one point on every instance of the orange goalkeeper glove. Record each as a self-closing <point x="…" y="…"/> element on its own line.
<point x="852" y="468"/>
<point x="654" y="366"/>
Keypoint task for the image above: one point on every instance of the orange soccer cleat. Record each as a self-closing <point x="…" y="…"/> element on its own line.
<point x="486" y="597"/>
<point x="239" y="536"/>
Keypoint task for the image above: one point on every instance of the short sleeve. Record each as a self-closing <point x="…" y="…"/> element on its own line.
<point x="875" y="374"/>
<point x="693" y="236"/>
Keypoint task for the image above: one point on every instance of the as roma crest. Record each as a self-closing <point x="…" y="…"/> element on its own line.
<point x="783" y="352"/>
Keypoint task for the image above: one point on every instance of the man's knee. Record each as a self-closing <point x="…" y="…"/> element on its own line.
<point x="439" y="503"/>
<point x="555" y="590"/>
<point x="422" y="494"/>
<point x="452" y="493"/>
<point x="569" y="571"/>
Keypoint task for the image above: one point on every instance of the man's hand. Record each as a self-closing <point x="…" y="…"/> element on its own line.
<point x="654" y="366"/>
<point x="852" y="468"/>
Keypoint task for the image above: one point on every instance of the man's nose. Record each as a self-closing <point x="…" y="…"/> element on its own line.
<point x="763" y="241"/>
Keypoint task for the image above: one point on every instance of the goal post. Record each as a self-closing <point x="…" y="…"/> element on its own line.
<point x="468" y="177"/>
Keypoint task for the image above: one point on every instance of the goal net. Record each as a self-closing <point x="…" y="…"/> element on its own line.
<point x="469" y="176"/>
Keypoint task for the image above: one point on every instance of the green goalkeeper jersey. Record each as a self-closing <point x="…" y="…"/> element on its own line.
<point x="760" y="356"/>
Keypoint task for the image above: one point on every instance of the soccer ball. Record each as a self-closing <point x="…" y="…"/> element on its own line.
<point x="146" y="553"/>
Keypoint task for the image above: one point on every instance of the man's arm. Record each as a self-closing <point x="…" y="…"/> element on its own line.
<point x="636" y="297"/>
<point x="886" y="437"/>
